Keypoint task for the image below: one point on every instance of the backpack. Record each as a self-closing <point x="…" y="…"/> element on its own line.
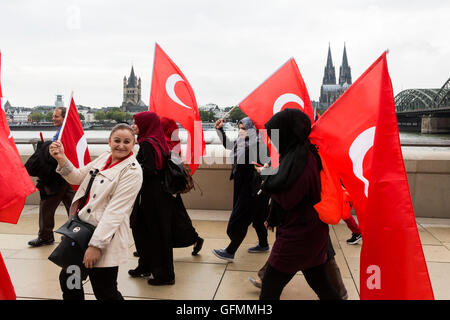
<point x="176" y="175"/>
<point x="40" y="164"/>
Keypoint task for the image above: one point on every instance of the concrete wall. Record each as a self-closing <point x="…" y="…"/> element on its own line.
<point x="428" y="175"/>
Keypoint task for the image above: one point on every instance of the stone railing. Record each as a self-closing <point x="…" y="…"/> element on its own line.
<point x="428" y="170"/>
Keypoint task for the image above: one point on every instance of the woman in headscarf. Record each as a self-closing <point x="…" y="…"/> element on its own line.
<point x="301" y="238"/>
<point x="248" y="206"/>
<point x="184" y="234"/>
<point x="151" y="220"/>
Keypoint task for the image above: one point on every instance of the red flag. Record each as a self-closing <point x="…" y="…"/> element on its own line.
<point x="73" y="138"/>
<point x="283" y="89"/>
<point x="359" y="134"/>
<point x="6" y="288"/>
<point x="172" y="97"/>
<point x="15" y="183"/>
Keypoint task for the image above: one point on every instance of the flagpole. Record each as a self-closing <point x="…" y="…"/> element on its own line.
<point x="228" y="113"/>
<point x="151" y="79"/>
<point x="65" y="118"/>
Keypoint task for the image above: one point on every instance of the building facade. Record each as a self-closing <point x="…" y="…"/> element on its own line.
<point x="132" y="94"/>
<point x="330" y="90"/>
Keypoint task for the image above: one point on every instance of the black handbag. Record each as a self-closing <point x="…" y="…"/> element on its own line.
<point x="175" y="178"/>
<point x="76" y="236"/>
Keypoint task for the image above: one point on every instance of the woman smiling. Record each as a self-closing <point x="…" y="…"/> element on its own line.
<point x="108" y="207"/>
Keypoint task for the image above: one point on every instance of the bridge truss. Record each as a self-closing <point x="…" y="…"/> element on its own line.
<point x="423" y="99"/>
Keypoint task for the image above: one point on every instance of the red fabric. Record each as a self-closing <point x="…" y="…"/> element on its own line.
<point x="73" y="139"/>
<point x="6" y="288"/>
<point x="109" y="165"/>
<point x="351" y="224"/>
<point x="361" y="125"/>
<point x="150" y="130"/>
<point x="283" y="89"/>
<point x="170" y="129"/>
<point x="172" y="96"/>
<point x="390" y="221"/>
<point x="15" y="183"/>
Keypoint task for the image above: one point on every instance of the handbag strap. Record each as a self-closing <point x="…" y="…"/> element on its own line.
<point x="83" y="200"/>
<point x="160" y="148"/>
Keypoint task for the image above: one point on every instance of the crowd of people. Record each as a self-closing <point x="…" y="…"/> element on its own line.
<point x="127" y="193"/>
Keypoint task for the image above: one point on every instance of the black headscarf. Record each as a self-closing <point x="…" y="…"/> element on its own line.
<point x="293" y="145"/>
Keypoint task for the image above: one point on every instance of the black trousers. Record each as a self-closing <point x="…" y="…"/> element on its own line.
<point x="241" y="219"/>
<point x="103" y="281"/>
<point x="47" y="208"/>
<point x="153" y="240"/>
<point x="274" y="282"/>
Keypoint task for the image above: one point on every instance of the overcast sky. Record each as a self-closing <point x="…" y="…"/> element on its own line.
<point x="224" y="48"/>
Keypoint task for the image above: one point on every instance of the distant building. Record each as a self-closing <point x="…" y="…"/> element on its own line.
<point x="59" y="101"/>
<point x="20" y="116"/>
<point x="132" y="94"/>
<point x="330" y="91"/>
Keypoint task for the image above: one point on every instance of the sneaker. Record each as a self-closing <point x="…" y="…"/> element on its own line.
<point x="198" y="246"/>
<point x="256" y="282"/>
<point x="356" y="237"/>
<point x="139" y="273"/>
<point x="38" y="242"/>
<point x="223" y="254"/>
<point x="258" y="249"/>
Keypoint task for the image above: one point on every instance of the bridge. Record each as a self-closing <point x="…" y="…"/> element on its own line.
<point x="424" y="110"/>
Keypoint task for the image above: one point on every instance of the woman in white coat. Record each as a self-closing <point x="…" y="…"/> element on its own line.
<point x="108" y="207"/>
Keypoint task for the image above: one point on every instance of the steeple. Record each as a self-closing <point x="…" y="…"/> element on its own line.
<point x="345" y="74"/>
<point x="132" y="79"/>
<point x="329" y="76"/>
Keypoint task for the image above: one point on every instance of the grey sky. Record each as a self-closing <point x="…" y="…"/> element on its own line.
<point x="224" y="48"/>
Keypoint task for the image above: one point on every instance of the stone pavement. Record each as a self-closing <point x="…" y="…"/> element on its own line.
<point x="205" y="276"/>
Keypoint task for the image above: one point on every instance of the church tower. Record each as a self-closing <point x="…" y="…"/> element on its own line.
<point x="329" y="76"/>
<point x="131" y="91"/>
<point x="345" y="73"/>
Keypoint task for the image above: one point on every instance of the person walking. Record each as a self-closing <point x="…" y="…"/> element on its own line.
<point x="302" y="239"/>
<point x="249" y="207"/>
<point x="184" y="233"/>
<point x="53" y="189"/>
<point x="108" y="207"/>
<point x="151" y="220"/>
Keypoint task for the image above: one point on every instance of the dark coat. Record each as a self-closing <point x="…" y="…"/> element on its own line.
<point x="247" y="205"/>
<point x="302" y="238"/>
<point x="151" y="219"/>
<point x="43" y="166"/>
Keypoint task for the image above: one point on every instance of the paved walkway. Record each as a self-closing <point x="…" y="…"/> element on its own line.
<point x="205" y="276"/>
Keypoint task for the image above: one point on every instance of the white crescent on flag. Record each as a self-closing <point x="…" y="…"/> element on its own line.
<point x="357" y="153"/>
<point x="170" y="89"/>
<point x="285" y="98"/>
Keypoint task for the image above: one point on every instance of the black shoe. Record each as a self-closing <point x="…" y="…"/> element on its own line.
<point x="198" y="246"/>
<point x="157" y="282"/>
<point x="40" y="242"/>
<point x="136" y="254"/>
<point x="356" y="237"/>
<point x="139" y="273"/>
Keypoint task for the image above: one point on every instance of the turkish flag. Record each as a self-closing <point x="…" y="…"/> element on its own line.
<point x="73" y="138"/>
<point x="283" y="89"/>
<point x="15" y="183"/>
<point x="6" y="288"/>
<point x="359" y="137"/>
<point x="172" y="97"/>
<point x="15" y="186"/>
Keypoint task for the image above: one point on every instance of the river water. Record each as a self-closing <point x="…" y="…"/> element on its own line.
<point x="212" y="138"/>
